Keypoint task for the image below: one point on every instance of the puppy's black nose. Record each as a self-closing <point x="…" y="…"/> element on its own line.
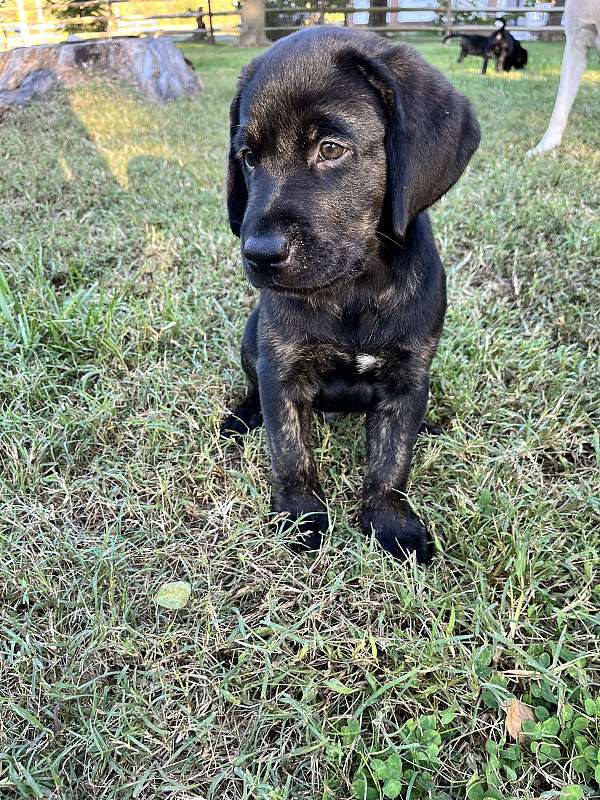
<point x="265" y="251"/>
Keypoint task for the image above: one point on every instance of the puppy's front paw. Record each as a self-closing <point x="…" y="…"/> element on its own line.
<point x="430" y="429"/>
<point x="240" y="423"/>
<point x="303" y="518"/>
<point x="400" y="532"/>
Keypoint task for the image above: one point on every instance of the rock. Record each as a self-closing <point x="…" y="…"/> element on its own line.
<point x="34" y="84"/>
<point x="155" y="66"/>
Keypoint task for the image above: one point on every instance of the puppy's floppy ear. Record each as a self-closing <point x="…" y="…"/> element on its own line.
<point x="431" y="131"/>
<point x="237" y="193"/>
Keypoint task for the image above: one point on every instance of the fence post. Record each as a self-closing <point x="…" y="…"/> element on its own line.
<point x="113" y="22"/>
<point x="448" y="22"/>
<point x="23" y="24"/>
<point x="211" y="32"/>
<point x="39" y="9"/>
<point x="321" y="4"/>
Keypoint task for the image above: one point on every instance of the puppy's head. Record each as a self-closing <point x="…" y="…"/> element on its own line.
<point x="338" y="141"/>
<point x="520" y="57"/>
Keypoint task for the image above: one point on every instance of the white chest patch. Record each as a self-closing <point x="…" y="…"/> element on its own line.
<point x="365" y="362"/>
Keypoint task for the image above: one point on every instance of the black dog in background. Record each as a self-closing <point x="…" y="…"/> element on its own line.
<point x="507" y="51"/>
<point x="339" y="143"/>
<point x="472" y="44"/>
<point x="501" y="45"/>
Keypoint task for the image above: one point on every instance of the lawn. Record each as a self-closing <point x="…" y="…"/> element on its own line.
<point x="121" y="309"/>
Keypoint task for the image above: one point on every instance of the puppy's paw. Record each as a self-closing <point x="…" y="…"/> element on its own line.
<point x="302" y="519"/>
<point x="400" y="532"/>
<point x="240" y="423"/>
<point x="430" y="429"/>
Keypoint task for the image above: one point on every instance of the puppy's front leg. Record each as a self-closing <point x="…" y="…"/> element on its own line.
<point x="392" y="428"/>
<point x="287" y="412"/>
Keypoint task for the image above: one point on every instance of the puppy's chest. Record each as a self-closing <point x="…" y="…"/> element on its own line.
<point x="355" y="363"/>
<point x="354" y="347"/>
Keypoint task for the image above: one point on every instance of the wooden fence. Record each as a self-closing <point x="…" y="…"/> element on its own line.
<point x="31" y="22"/>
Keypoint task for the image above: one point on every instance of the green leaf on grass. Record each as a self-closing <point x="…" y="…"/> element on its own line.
<point x="591" y="755"/>
<point x="580" y="723"/>
<point x="579" y="765"/>
<point x="485" y="501"/>
<point x="394" y="766"/>
<point x="173" y="595"/>
<point x="567" y="713"/>
<point x="571" y="792"/>
<point x="475" y="792"/>
<point x="350" y="731"/>
<point x="548" y="752"/>
<point x="590" y="706"/>
<point x="380" y="769"/>
<point x="528" y="726"/>
<point x="362" y="790"/>
<point x="392" y="788"/>
<point x="550" y="726"/>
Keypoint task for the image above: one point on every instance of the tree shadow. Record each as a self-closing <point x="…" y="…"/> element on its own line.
<point x="61" y="192"/>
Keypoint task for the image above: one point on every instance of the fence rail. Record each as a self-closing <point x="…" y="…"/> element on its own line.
<point x="25" y="24"/>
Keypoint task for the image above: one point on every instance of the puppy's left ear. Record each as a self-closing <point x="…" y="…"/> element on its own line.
<point x="431" y="131"/>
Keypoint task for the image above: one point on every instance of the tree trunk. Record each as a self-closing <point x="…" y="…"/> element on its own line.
<point x="252" y="32"/>
<point x="155" y="66"/>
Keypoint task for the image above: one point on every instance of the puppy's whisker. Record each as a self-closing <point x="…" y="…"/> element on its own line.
<point x="379" y="236"/>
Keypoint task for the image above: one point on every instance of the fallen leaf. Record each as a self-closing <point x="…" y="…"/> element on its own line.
<point x="516" y="713"/>
<point x="174" y="595"/>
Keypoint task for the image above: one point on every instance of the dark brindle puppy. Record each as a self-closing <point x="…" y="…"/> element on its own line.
<point x="339" y="142"/>
<point x="475" y="44"/>
<point x="471" y="44"/>
<point x="507" y="51"/>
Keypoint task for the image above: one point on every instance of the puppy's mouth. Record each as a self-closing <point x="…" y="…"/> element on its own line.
<point x="301" y="291"/>
<point x="276" y="282"/>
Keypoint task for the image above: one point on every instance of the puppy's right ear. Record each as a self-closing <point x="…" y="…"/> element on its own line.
<point x="237" y="194"/>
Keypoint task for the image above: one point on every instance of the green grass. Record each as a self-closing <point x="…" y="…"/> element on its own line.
<point x="122" y="305"/>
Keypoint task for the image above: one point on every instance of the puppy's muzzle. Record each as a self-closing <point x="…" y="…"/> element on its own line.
<point x="265" y="255"/>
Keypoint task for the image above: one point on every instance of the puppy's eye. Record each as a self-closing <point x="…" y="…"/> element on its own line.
<point x="330" y="151"/>
<point x="249" y="159"/>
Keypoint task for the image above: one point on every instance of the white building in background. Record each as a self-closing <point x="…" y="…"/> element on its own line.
<point x="393" y="18"/>
<point x="537" y="18"/>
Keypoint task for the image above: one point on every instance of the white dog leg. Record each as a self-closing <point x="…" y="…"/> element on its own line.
<point x="573" y="67"/>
